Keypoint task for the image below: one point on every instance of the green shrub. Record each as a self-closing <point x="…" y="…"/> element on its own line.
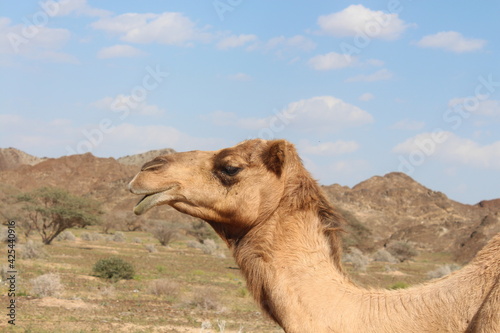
<point x="114" y="269"/>
<point x="399" y="285"/>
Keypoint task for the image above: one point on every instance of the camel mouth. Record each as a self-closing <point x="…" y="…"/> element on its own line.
<point x="151" y="200"/>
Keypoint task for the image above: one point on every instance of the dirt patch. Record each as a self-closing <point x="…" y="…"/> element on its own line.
<point x="64" y="303"/>
<point x="395" y="273"/>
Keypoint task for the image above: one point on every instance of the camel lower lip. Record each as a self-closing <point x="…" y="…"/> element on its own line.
<point x="147" y="202"/>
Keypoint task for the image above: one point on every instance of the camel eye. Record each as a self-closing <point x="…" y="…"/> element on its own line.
<point x="231" y="170"/>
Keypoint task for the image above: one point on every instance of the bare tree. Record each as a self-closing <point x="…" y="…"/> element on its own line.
<point x="164" y="232"/>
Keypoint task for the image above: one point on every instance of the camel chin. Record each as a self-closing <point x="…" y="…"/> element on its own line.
<point x="152" y="200"/>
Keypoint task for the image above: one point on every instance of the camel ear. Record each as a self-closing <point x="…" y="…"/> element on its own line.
<point x="274" y="156"/>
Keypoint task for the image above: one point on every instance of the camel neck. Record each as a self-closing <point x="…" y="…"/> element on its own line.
<point x="288" y="264"/>
<point x="290" y="271"/>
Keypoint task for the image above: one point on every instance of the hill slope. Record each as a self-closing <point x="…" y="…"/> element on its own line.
<point x="140" y="159"/>
<point x="11" y="158"/>
<point x="396" y="207"/>
<point x="384" y="208"/>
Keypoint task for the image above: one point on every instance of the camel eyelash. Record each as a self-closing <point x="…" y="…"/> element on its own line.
<point x="230" y="170"/>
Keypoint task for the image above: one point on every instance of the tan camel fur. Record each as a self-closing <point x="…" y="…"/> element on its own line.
<point x="285" y="237"/>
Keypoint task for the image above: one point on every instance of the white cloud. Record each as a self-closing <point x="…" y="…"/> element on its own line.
<point x="35" y="135"/>
<point x="357" y="19"/>
<point x="348" y="170"/>
<point x="296" y="42"/>
<point x="78" y="7"/>
<point x="253" y="124"/>
<point x="34" y="42"/>
<point x="451" y="148"/>
<point x="242" y="77"/>
<point x="328" y="148"/>
<point x="167" y="28"/>
<point x="380" y="75"/>
<point x="120" y="51"/>
<point x="375" y="62"/>
<point x="235" y="41"/>
<point x="366" y="97"/>
<point x="62" y="137"/>
<point x="323" y="114"/>
<point x="408" y="125"/>
<point x="331" y="60"/>
<point x="122" y="104"/>
<point x="326" y="113"/>
<point x="221" y="118"/>
<point x="288" y="48"/>
<point x="485" y="107"/>
<point x="451" y="41"/>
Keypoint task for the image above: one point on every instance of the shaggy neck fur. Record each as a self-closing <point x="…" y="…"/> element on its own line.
<point x="291" y="261"/>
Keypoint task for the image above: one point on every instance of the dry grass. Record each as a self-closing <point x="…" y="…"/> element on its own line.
<point x="210" y="288"/>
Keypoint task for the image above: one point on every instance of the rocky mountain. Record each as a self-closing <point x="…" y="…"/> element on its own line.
<point x="380" y="209"/>
<point x="11" y="158"/>
<point x="396" y="207"/>
<point x="140" y="159"/>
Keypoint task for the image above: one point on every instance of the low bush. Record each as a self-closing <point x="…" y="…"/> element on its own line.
<point x="151" y="248"/>
<point x="66" y="235"/>
<point x="201" y="230"/>
<point x="208" y="246"/>
<point x="46" y="285"/>
<point x="91" y="237"/>
<point x="3" y="272"/>
<point x="358" y="260"/>
<point x="164" y="232"/>
<point x="32" y="250"/>
<point x="4" y="235"/>
<point x="113" y="269"/>
<point x="382" y="255"/>
<point x="442" y="271"/>
<point x="402" y="250"/>
<point x="164" y="287"/>
<point x="108" y="291"/>
<point x="119" y="237"/>
<point x="206" y="299"/>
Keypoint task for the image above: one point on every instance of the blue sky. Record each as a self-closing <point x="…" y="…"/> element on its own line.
<point x="361" y="88"/>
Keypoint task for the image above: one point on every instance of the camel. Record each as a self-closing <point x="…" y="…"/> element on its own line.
<point x="285" y="237"/>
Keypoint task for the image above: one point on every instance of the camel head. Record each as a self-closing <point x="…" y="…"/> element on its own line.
<point x="237" y="186"/>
